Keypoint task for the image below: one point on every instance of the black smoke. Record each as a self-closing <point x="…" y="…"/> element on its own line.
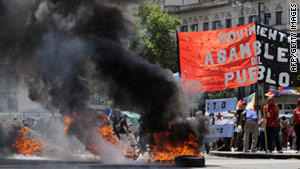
<point x="8" y="133"/>
<point x="58" y="46"/>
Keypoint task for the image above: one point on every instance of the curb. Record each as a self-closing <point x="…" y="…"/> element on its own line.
<point x="257" y="155"/>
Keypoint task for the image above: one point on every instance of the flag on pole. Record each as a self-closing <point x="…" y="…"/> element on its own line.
<point x="250" y="100"/>
<point x="272" y="93"/>
<point x="288" y="90"/>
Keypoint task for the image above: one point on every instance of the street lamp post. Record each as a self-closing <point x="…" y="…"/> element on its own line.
<point x="241" y="4"/>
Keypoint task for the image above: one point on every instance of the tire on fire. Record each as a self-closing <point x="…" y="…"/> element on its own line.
<point x="189" y="161"/>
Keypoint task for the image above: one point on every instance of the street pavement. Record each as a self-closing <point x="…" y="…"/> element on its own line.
<point x="287" y="154"/>
<point x="214" y="162"/>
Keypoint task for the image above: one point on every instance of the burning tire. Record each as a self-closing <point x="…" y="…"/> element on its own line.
<point x="189" y="161"/>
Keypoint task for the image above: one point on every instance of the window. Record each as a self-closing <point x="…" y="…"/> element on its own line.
<point x="194" y="27"/>
<point x="252" y="18"/>
<point x="228" y="23"/>
<point x="98" y="94"/>
<point x="267" y="18"/>
<point x="290" y="106"/>
<point x="206" y="26"/>
<point x="241" y="21"/>
<point x="279" y="106"/>
<point x="216" y="25"/>
<point x="183" y="28"/>
<point x="279" y="18"/>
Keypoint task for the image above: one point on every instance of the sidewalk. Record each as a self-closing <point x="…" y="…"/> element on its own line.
<point x="287" y="154"/>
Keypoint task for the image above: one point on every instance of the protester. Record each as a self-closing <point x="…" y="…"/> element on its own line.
<point x="251" y="123"/>
<point x="31" y="122"/>
<point x="271" y="113"/>
<point x="296" y="121"/>
<point x="284" y="132"/>
<point x="261" y="136"/>
<point x="15" y="118"/>
<point x="240" y="123"/>
<point x="220" y="144"/>
<point x="25" y="123"/>
<point x="291" y="135"/>
<point x="115" y="118"/>
<point x="207" y="146"/>
<point x="124" y="131"/>
<point x="131" y="137"/>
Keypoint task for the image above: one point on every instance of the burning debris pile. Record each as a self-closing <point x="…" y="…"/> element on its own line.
<point x="96" y="133"/>
<point x="26" y="146"/>
<point x="58" y="45"/>
<point x="165" y="150"/>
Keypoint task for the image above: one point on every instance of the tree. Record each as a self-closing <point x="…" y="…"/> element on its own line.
<point x="220" y="94"/>
<point x="155" y="39"/>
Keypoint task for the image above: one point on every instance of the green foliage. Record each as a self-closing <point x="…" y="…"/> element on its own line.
<point x="155" y="38"/>
<point x="220" y="94"/>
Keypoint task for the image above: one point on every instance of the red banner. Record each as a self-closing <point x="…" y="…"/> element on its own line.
<point x="219" y="59"/>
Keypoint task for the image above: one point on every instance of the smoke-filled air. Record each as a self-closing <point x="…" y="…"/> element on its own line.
<point x="59" y="46"/>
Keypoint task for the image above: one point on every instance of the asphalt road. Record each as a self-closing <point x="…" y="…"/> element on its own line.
<point x="212" y="162"/>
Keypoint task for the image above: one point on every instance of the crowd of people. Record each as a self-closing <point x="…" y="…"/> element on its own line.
<point x="252" y="130"/>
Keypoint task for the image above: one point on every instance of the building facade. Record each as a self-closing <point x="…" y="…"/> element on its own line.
<point x="8" y="88"/>
<point x="201" y="15"/>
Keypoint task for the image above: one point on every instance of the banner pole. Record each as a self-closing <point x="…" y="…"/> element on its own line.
<point x="263" y="113"/>
<point x="178" y="54"/>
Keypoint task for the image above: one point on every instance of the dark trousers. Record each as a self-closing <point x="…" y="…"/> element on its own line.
<point x="272" y="134"/>
<point x="207" y="142"/>
<point x="238" y="142"/>
<point x="291" y="138"/>
<point x="297" y="131"/>
<point x="261" y="141"/>
<point x="227" y="141"/>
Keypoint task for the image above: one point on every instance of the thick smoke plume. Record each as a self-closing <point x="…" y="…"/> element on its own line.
<point x="59" y="45"/>
<point x="8" y="135"/>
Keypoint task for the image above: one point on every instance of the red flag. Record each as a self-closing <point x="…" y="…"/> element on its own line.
<point x="218" y="60"/>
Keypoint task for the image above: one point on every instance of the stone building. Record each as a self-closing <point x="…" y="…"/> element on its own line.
<point x="8" y="89"/>
<point x="201" y="15"/>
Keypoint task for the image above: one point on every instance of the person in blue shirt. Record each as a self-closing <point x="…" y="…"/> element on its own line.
<point x="251" y="123"/>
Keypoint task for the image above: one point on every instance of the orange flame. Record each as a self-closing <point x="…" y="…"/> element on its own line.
<point x="106" y="132"/>
<point x="94" y="149"/>
<point x="165" y="150"/>
<point x="26" y="146"/>
<point x="68" y="121"/>
<point x="103" y="130"/>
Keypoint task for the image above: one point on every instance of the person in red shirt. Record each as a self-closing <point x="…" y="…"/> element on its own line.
<point x="296" y="122"/>
<point x="271" y="112"/>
